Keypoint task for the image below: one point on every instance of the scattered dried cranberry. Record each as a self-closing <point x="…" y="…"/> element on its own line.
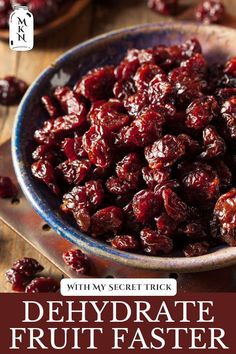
<point x="164" y="7"/>
<point x="11" y="90"/>
<point x="77" y="261"/>
<point x="210" y="11"/>
<point x="42" y="285"/>
<point x="22" y="272"/>
<point x="7" y="188"/>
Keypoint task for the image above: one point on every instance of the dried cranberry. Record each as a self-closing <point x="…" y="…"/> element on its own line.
<point x="154" y="177"/>
<point x="107" y="220"/>
<point x="165" y="225"/>
<point x="200" y="184"/>
<point x="109" y="115"/>
<point x="228" y="112"/>
<point x="210" y="11"/>
<point x="7" y="188"/>
<point x="17" y="279"/>
<point x="174" y="206"/>
<point x="164" y="152"/>
<point x="95" y="192"/>
<point x="153" y="243"/>
<point x="120" y="187"/>
<point x="145" y="206"/>
<point x="214" y="145"/>
<point x="44" y="171"/>
<point x="145" y="74"/>
<point x="77" y="261"/>
<point x="164" y="7"/>
<point x="196" y="249"/>
<point x="74" y="171"/>
<point x="42" y="285"/>
<point x="95" y="143"/>
<point x="129" y="168"/>
<point x="201" y="112"/>
<point x="70" y="102"/>
<point x="161" y="90"/>
<point x="225" y="209"/>
<point x="72" y="148"/>
<point x="125" y="242"/>
<point x="11" y="90"/>
<point x="97" y="84"/>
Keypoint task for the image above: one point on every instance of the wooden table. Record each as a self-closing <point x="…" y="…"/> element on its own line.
<point x="99" y="17"/>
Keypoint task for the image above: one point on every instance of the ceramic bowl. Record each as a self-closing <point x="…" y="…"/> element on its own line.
<point x="218" y="44"/>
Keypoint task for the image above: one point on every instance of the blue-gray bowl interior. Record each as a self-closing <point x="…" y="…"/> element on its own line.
<point x="105" y="50"/>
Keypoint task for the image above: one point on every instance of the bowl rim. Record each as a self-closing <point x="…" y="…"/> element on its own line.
<point x="218" y="259"/>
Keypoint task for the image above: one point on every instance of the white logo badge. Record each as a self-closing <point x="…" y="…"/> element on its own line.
<point x="21" y="25"/>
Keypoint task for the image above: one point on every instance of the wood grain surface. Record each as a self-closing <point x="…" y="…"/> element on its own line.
<point x="98" y="17"/>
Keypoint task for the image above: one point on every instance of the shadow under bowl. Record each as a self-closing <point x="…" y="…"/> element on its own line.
<point x="218" y="44"/>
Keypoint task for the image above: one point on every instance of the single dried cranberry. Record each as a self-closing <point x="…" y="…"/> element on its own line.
<point x="191" y="47"/>
<point x="214" y="145"/>
<point x="228" y="112"/>
<point x="196" y="65"/>
<point x="228" y="236"/>
<point x="7" y="188"/>
<point x="95" y="192"/>
<point x="163" y="7"/>
<point x="44" y="171"/>
<point x="210" y="11"/>
<point x="125" y="242"/>
<point x="120" y="187"/>
<point x="164" y="152"/>
<point x="106" y="221"/>
<point x="135" y="103"/>
<point x="42" y="285"/>
<point x="200" y="184"/>
<point x="74" y="171"/>
<point x="165" y="225"/>
<point x="145" y="74"/>
<point x="77" y="260"/>
<point x="145" y="206"/>
<point x="76" y="199"/>
<point x="154" y="177"/>
<point x="70" y="102"/>
<point x="225" y="209"/>
<point x="201" y="112"/>
<point x="17" y="279"/>
<point x="97" y="84"/>
<point x="11" y="90"/>
<point x="194" y="230"/>
<point x="129" y="168"/>
<point x="174" y="206"/>
<point x="196" y="249"/>
<point x="153" y="243"/>
<point x="144" y="130"/>
<point x="161" y="90"/>
<point x="72" y="148"/>
<point x="95" y="143"/>
<point x="123" y="89"/>
<point x="109" y="115"/>
<point x="127" y="68"/>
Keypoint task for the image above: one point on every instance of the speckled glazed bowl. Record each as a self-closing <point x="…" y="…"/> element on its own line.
<point x="218" y="44"/>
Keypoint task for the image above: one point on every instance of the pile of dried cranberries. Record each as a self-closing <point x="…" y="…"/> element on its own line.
<point x="143" y="154"/>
